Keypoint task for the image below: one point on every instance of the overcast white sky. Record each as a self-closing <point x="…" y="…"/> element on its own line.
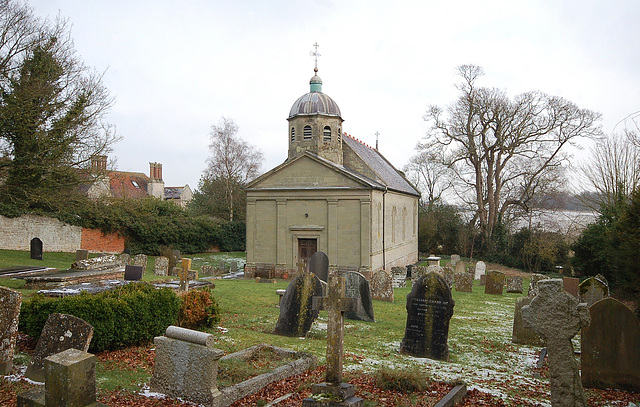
<point x="176" y="67"/>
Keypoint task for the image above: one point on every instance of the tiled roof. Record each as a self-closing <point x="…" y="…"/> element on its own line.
<point x="387" y="174"/>
<point x="173" y="192"/>
<point x="128" y="184"/>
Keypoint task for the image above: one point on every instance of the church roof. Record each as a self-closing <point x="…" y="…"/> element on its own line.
<point x="315" y="102"/>
<point x="388" y="175"/>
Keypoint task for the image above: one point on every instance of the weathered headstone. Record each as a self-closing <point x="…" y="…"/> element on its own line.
<point x="10" y="301"/>
<point x="174" y="259"/>
<point x="592" y="290"/>
<point x="233" y="268"/>
<point x="571" y="285"/>
<point x="124" y="259"/>
<point x="514" y="285"/>
<point x="382" y="286"/>
<point x="461" y="267"/>
<point x="337" y="304"/>
<point x="429" y="310"/>
<point x="557" y="317"/>
<point x="522" y="334"/>
<point x="186" y="366"/>
<point x="433" y="261"/>
<point x="184" y="274"/>
<point x="133" y="273"/>
<point x="357" y="286"/>
<point x="296" y="313"/>
<point x="207" y="270"/>
<point x="399" y="276"/>
<point x="140" y="260"/>
<point x="82" y="254"/>
<point x="161" y="266"/>
<point x="533" y="290"/>
<point x="481" y="268"/>
<point x="70" y="381"/>
<point x="494" y="283"/>
<point x="611" y="347"/>
<point x="222" y="267"/>
<point x="455" y="258"/>
<point x="464" y="282"/>
<point x="449" y="277"/>
<point x="417" y="272"/>
<point x="319" y="265"/>
<point x="36" y="248"/>
<point x="60" y="332"/>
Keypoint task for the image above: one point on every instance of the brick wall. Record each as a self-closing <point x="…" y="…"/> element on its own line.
<point x="96" y="241"/>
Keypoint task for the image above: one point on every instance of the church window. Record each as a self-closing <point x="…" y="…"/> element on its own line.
<point x="326" y="136"/>
<point x="394" y="215"/>
<point x="339" y="135"/>
<point x="307" y="133"/>
<point x="293" y="134"/>
<point x="404" y="223"/>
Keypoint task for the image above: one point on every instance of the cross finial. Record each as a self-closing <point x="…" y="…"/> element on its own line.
<point x="315" y="54"/>
<point x="377" y="134"/>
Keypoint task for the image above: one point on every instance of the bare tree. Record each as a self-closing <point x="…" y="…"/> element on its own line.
<point x="427" y="172"/>
<point x="233" y="162"/>
<point x="504" y="153"/>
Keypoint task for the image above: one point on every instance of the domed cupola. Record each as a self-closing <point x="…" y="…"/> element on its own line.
<point x="315" y="124"/>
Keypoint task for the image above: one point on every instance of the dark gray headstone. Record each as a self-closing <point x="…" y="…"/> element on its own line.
<point x="357" y="286"/>
<point x="296" y="312"/>
<point x="82" y="254"/>
<point x="611" y="347"/>
<point x="60" y="332"/>
<point x="319" y="265"/>
<point x="429" y="310"/>
<point x="36" y="248"/>
<point x="133" y="273"/>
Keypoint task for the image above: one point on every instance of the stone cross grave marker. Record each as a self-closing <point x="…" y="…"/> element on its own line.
<point x="60" y="332"/>
<point x="161" y="266"/>
<point x="480" y="269"/>
<point x="357" y="286"/>
<point x="319" y="265"/>
<point x="36" y="248"/>
<point x="296" y="311"/>
<point x="336" y="304"/>
<point x="429" y="310"/>
<point x="593" y="289"/>
<point x="557" y="317"/>
<point x="10" y="301"/>
<point x="184" y="274"/>
<point x="611" y="347"/>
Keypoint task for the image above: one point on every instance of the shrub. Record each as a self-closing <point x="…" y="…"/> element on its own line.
<point x="198" y="309"/>
<point x="405" y="381"/>
<point x="130" y="315"/>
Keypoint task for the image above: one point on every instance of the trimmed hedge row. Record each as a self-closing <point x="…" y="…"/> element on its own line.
<point x="130" y="315"/>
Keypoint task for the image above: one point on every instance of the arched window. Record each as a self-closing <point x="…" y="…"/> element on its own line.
<point x="293" y="134"/>
<point x="307" y="133"/>
<point x="326" y="135"/>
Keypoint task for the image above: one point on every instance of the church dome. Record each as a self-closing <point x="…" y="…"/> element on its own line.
<point x="315" y="102"/>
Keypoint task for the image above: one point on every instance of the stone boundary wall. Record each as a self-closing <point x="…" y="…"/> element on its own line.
<point x="56" y="236"/>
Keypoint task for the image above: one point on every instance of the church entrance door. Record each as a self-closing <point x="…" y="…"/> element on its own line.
<point x="306" y="248"/>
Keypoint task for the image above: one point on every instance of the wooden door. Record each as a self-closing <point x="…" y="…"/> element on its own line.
<point x="306" y="248"/>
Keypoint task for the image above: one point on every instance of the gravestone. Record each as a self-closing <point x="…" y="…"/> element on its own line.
<point x="357" y="286"/>
<point x="123" y="259"/>
<point x="70" y="381"/>
<point x="611" y="347"/>
<point x="481" y="268"/>
<point x="461" y="267"/>
<point x="222" y="267"/>
<point x="233" y="268"/>
<point x="557" y="317"/>
<point x="449" y="276"/>
<point x="82" y="254"/>
<point x="60" y="332"/>
<point x="455" y="258"/>
<point x="161" y="266"/>
<point x="433" y="261"/>
<point x="186" y="366"/>
<point x="533" y="291"/>
<point x="464" y="282"/>
<point x="494" y="283"/>
<point x="571" y="285"/>
<point x="140" y="260"/>
<point x="337" y="304"/>
<point x="133" y="273"/>
<point x="36" y="248"/>
<point x="382" y="286"/>
<point x="514" y="285"/>
<point x="174" y="260"/>
<point x="399" y="276"/>
<point x="592" y="290"/>
<point x="319" y="265"/>
<point x="522" y="334"/>
<point x="207" y="270"/>
<point x="417" y="272"/>
<point x="429" y="310"/>
<point x="10" y="301"/>
<point x="296" y="313"/>
<point x="184" y="274"/>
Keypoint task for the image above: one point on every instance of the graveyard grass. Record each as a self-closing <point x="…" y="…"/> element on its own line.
<point x="480" y="348"/>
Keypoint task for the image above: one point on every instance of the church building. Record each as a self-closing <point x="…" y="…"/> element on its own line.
<point x="333" y="194"/>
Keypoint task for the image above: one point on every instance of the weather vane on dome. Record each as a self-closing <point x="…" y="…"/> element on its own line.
<point x="315" y="54"/>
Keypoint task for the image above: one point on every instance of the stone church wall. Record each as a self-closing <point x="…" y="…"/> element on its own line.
<point x="56" y="236"/>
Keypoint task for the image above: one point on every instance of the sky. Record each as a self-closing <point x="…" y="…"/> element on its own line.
<point x="175" y="68"/>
